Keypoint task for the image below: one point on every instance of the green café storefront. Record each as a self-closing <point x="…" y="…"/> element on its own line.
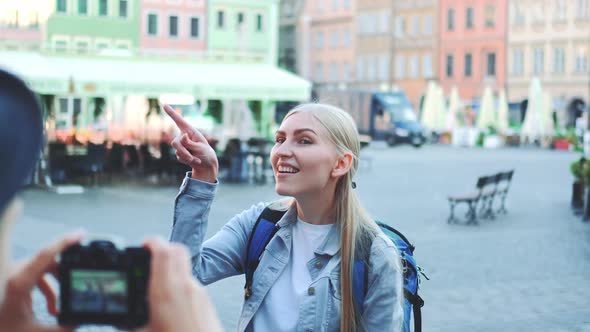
<point x="74" y="90"/>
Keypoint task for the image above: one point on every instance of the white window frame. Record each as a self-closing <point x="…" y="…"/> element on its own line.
<point x="147" y="25"/>
<point x="427" y="25"/>
<point x="427" y="70"/>
<point x="400" y="67"/>
<point x="190" y="26"/>
<point x="538" y="68"/>
<point x="179" y="33"/>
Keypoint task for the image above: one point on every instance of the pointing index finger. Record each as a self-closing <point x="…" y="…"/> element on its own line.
<point x="183" y="125"/>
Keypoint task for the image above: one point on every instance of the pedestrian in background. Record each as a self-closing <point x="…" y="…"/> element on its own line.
<point x="304" y="279"/>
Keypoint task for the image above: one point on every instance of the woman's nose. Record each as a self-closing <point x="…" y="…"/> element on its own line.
<point x="283" y="150"/>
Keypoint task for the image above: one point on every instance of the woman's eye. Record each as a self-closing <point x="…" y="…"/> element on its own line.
<point x="305" y="140"/>
<point x="279" y="140"/>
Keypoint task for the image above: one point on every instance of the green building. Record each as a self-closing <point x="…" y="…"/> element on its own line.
<point x="244" y="27"/>
<point x="90" y="26"/>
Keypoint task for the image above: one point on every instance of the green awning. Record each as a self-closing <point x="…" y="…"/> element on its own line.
<point x="112" y="76"/>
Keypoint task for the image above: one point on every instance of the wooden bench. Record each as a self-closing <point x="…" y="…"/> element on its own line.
<point x="487" y="188"/>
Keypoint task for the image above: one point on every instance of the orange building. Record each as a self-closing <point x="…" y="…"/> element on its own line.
<point x="472" y="52"/>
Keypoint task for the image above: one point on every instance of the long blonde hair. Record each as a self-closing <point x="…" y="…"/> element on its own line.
<point x="357" y="228"/>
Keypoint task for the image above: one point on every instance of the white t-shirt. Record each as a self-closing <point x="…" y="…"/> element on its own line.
<point x="279" y="311"/>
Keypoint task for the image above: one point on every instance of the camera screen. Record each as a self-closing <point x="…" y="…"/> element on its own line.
<point x="96" y="291"/>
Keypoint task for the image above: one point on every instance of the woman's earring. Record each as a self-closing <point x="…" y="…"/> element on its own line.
<point x="353" y="185"/>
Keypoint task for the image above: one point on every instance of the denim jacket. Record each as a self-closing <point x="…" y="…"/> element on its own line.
<point x="223" y="255"/>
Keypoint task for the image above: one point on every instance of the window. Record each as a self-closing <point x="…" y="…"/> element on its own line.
<point x="220" y="17"/>
<point x="320" y="5"/>
<point x="517" y="62"/>
<point x="334" y="4"/>
<point x="469" y="18"/>
<point x="427" y="66"/>
<point x="400" y="26"/>
<point x="346" y="72"/>
<point x="122" y="8"/>
<point x="371" y="67"/>
<point x="449" y="65"/>
<point x="491" y="65"/>
<point x="334" y="39"/>
<point x="538" y="60"/>
<point x="538" y="13"/>
<point x="400" y="67"/>
<point x="83" y="7"/>
<point x="427" y="25"/>
<point x="82" y="47"/>
<point x="583" y="9"/>
<point x="259" y="22"/>
<point x="383" y="67"/>
<point x="152" y="24"/>
<point x="334" y="72"/>
<point x="517" y="14"/>
<point x="61" y="46"/>
<point x="414" y="66"/>
<point x="384" y="22"/>
<point x="558" y="60"/>
<point x="101" y="46"/>
<point x="319" y="72"/>
<point x="415" y="25"/>
<point x="560" y="10"/>
<point x="319" y="40"/>
<point x="103" y="9"/>
<point x="360" y="68"/>
<point x="61" y="6"/>
<point x="173" y="26"/>
<point x="240" y="20"/>
<point x="581" y="65"/>
<point x="490" y="16"/>
<point x="451" y="19"/>
<point x="346" y="38"/>
<point x="468" y="65"/>
<point x="194" y="27"/>
<point x="346" y="4"/>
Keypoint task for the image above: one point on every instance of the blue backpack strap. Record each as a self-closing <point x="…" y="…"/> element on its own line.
<point x="263" y="231"/>
<point x="359" y="283"/>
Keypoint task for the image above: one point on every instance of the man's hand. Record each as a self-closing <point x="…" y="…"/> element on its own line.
<point x="178" y="303"/>
<point x="16" y="311"/>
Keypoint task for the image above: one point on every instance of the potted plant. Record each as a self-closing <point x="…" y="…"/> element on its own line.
<point x="560" y="141"/>
<point x="492" y="139"/>
<point x="580" y="173"/>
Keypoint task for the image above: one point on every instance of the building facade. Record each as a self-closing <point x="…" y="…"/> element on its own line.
<point x="244" y="27"/>
<point x="290" y="45"/>
<point x="84" y="26"/>
<point x="415" y="46"/>
<point x="551" y="41"/>
<point x="327" y="29"/>
<point x="472" y="39"/>
<point x="374" y="42"/>
<point x="22" y="23"/>
<point x="173" y="27"/>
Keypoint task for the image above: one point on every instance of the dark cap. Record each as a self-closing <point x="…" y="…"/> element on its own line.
<point x="21" y="132"/>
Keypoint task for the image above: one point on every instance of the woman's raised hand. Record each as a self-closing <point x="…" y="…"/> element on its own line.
<point x="192" y="149"/>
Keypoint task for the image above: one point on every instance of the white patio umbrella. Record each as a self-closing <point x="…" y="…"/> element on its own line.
<point x="454" y="105"/>
<point x="441" y="109"/>
<point x="502" y="120"/>
<point x="531" y="127"/>
<point x="428" y="113"/>
<point x="487" y="112"/>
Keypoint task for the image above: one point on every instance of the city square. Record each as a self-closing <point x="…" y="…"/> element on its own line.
<point x="524" y="271"/>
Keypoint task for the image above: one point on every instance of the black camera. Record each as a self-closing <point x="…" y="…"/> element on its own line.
<point x="100" y="284"/>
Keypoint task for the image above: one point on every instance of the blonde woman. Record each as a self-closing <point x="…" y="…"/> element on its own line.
<point x="304" y="279"/>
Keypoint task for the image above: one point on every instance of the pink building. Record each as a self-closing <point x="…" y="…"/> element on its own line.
<point x="173" y="26"/>
<point x="472" y="51"/>
<point x="327" y="39"/>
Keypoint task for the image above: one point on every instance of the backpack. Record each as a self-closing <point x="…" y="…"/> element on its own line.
<point x="266" y="227"/>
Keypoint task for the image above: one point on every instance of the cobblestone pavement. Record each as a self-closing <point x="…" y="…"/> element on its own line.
<point x="528" y="270"/>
